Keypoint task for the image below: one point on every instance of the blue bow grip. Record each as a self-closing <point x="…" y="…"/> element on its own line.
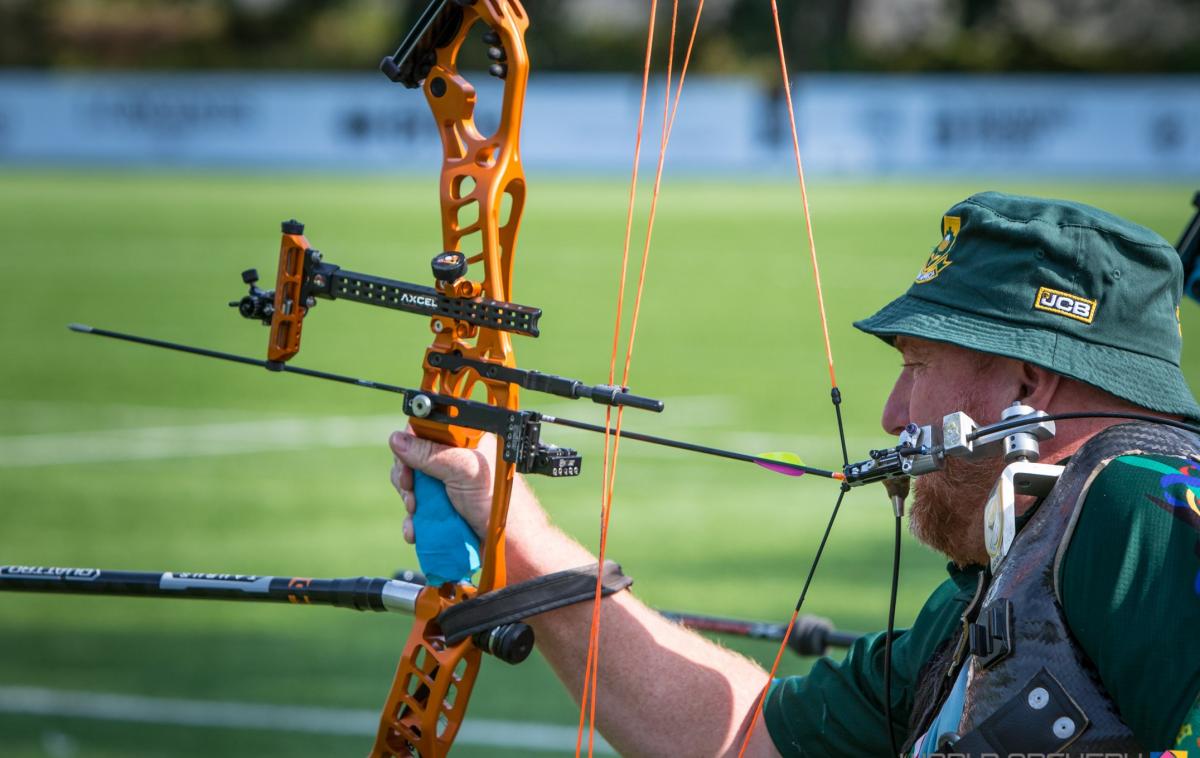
<point x="447" y="547"/>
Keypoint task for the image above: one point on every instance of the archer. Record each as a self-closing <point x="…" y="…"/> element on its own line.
<point x="1062" y="623"/>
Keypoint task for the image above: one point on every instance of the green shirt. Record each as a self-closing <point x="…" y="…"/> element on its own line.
<point x="1130" y="584"/>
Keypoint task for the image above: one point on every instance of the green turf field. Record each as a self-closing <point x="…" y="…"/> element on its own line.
<point x="120" y="456"/>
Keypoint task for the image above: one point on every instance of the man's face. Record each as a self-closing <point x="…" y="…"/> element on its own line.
<point x="936" y="379"/>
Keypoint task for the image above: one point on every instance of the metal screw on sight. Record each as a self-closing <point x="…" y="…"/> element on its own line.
<point x="421" y="406"/>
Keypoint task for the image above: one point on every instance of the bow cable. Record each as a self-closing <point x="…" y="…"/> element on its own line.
<point x="835" y="393"/>
<point x="584" y="694"/>
<point x="637" y="156"/>
<point x="591" y="673"/>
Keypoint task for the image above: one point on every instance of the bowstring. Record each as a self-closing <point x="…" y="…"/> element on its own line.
<point x="609" y="483"/>
<point x="637" y="154"/>
<point x="612" y="432"/>
<point x="835" y="393"/>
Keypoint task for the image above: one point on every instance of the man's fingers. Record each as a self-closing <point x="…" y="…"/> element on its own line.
<point x="409" y="534"/>
<point x="466" y="473"/>
<point x="439" y="461"/>
<point x="399" y="474"/>
<point x="394" y="476"/>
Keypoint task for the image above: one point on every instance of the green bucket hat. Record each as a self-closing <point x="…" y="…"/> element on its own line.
<point x="1058" y="284"/>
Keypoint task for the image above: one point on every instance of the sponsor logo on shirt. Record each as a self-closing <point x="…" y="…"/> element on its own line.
<point x="1180" y="495"/>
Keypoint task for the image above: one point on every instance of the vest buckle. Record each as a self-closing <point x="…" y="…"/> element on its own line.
<point x="990" y="639"/>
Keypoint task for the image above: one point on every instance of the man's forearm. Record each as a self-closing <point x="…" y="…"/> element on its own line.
<point x="663" y="689"/>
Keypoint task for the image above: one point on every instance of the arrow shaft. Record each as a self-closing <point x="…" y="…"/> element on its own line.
<point x="395" y="389"/>
<point x="691" y="447"/>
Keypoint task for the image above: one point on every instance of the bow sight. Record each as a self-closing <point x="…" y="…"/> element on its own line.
<point x="304" y="277"/>
<point x="457" y="309"/>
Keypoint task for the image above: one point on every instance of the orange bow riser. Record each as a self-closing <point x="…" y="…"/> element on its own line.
<point x="482" y="194"/>
<point x="479" y="173"/>
<point x="481" y="177"/>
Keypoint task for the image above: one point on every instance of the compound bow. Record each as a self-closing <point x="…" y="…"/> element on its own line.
<point x="482" y="193"/>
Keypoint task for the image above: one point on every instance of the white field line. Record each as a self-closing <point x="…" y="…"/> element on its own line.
<point x="233" y="438"/>
<point x="37" y="701"/>
<point x="181" y="441"/>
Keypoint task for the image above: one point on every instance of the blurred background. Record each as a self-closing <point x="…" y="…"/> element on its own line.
<point x="149" y="150"/>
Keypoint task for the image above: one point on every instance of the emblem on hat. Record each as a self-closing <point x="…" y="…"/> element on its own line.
<point x="1065" y="304"/>
<point x="939" y="257"/>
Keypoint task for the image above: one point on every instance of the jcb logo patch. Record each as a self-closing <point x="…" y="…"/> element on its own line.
<point x="939" y="258"/>
<point x="1065" y="304"/>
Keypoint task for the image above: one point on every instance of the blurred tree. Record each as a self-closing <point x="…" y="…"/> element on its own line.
<point x="608" y="35"/>
<point x="24" y="26"/>
<point x="1029" y="35"/>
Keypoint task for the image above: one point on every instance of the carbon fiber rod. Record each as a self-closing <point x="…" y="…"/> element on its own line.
<point x="811" y="636"/>
<point x="361" y="593"/>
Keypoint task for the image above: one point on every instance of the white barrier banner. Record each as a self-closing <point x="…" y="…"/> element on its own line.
<point x="849" y="124"/>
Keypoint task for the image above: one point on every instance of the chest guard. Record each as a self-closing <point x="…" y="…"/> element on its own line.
<point x="1027" y="686"/>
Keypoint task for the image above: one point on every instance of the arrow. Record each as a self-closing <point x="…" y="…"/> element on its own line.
<point x="788" y="464"/>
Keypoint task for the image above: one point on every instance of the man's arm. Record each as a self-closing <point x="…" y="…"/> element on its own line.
<point x="663" y="690"/>
<point x="1130" y="589"/>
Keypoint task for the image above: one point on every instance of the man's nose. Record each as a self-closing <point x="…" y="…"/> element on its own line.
<point x="895" y="410"/>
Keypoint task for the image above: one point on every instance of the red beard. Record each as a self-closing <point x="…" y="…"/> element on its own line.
<point x="947" y="509"/>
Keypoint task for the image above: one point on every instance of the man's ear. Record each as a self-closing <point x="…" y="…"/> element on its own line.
<point x="1038" y="386"/>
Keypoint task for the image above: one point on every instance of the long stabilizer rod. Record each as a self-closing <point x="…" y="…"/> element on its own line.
<point x="811" y="635"/>
<point x="361" y="593"/>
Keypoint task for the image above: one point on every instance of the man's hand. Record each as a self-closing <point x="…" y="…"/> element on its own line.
<point x="466" y="473"/>
<point x="712" y="690"/>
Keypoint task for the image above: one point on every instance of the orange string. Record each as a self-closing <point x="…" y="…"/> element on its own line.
<point x="670" y="110"/>
<point x="609" y="485"/>
<point x="812" y="245"/>
<point x="812" y="249"/>
<point x="637" y="154"/>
